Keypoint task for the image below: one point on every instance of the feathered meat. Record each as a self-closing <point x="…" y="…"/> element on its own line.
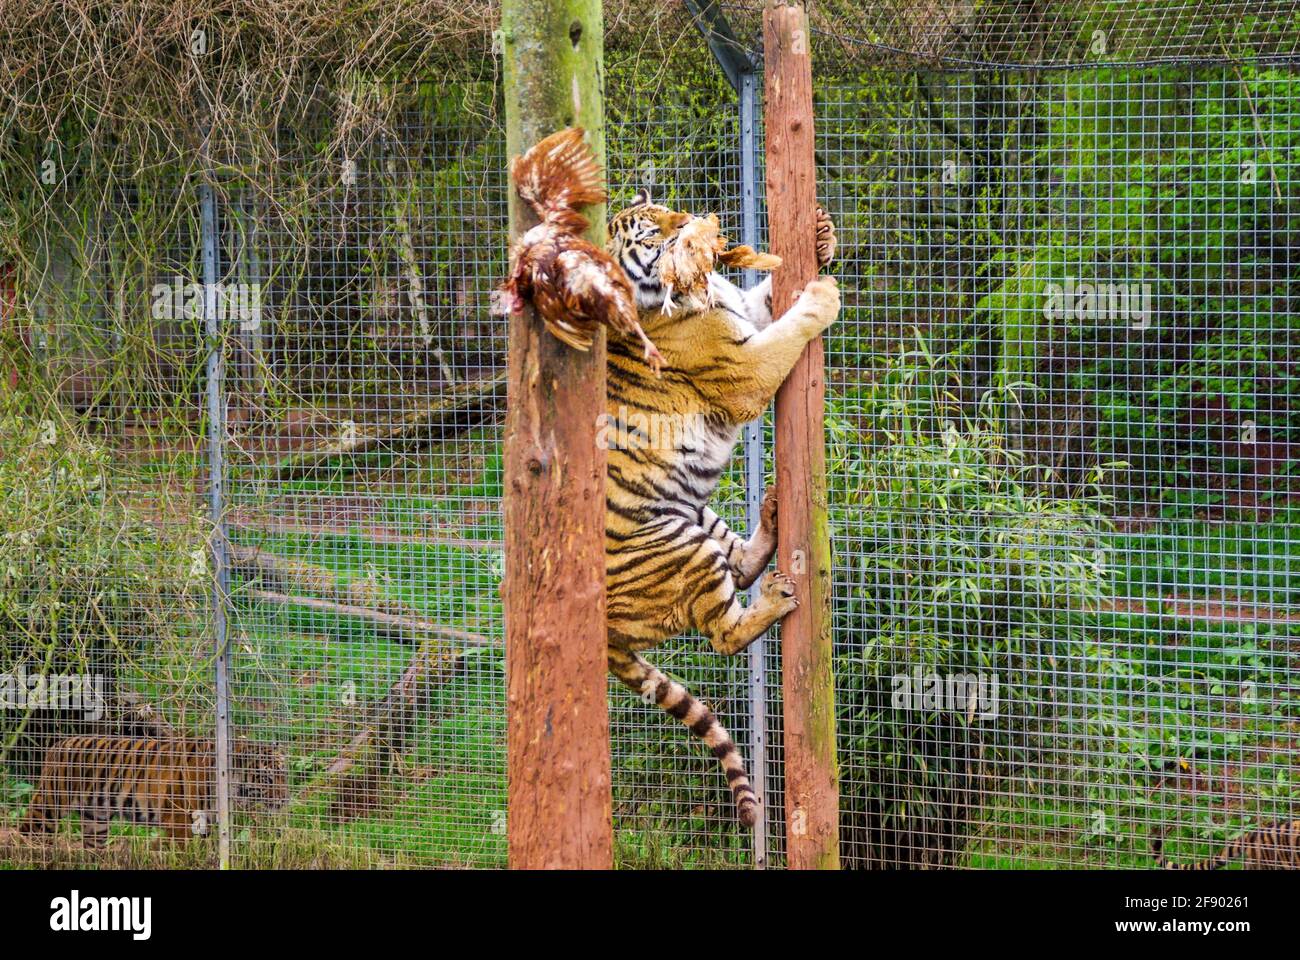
<point x="573" y="285"/>
<point x="690" y="254"/>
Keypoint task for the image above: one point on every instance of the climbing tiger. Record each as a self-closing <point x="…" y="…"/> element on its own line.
<point x="159" y="783"/>
<point x="1275" y="847"/>
<point x="671" y="563"/>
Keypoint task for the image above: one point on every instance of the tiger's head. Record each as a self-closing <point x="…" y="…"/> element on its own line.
<point x="636" y="239"/>
<point x="261" y="775"/>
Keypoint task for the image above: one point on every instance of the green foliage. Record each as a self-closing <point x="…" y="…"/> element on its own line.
<point x="667" y="131"/>
<point x="76" y="564"/>
<point x="84" y="580"/>
<point x="1188" y="185"/>
<point x="961" y="569"/>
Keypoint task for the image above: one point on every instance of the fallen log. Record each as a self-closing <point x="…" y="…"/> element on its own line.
<point x="402" y="696"/>
<point x="291" y="575"/>
<point x="358" y="771"/>
<point x="448" y="415"/>
<point x="404" y="625"/>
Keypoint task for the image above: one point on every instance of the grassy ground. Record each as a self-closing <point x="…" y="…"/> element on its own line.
<point x="1191" y="734"/>
<point x="427" y="531"/>
<point x="1258" y="563"/>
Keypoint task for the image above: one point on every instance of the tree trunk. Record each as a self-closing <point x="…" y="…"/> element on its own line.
<point x="558" y="717"/>
<point x="803" y="549"/>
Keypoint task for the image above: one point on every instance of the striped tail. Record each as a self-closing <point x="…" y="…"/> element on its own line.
<point x="652" y="685"/>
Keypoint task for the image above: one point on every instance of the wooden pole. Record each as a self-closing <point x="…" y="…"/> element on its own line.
<point x="803" y="549"/>
<point x="558" y="722"/>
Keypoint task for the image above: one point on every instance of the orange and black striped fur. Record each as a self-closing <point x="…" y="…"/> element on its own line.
<point x="160" y="783"/>
<point x="671" y="563"/>
<point x="1276" y="847"/>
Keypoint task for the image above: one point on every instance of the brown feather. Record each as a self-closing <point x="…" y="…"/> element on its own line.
<point x="745" y="257"/>
<point x="688" y="259"/>
<point x="691" y="252"/>
<point x="558" y="175"/>
<point x="574" y="286"/>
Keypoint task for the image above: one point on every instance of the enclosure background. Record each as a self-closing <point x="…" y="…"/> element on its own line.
<point x="1087" y="498"/>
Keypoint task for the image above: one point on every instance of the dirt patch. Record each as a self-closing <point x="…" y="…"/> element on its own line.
<point x="1231" y="783"/>
<point x="1212" y="610"/>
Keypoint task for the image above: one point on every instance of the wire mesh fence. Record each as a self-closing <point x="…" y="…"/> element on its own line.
<point x="1065" y="486"/>
<point x="1061" y="445"/>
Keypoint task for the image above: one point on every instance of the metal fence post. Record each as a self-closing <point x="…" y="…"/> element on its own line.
<point x="738" y="67"/>
<point x="216" y="370"/>
<point x="753" y="450"/>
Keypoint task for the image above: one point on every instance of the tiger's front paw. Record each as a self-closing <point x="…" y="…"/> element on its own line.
<point x="820" y="301"/>
<point x="825" y="238"/>
<point x="778" y="589"/>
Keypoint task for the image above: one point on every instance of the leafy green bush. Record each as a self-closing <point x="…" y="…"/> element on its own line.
<point x="1203" y="400"/>
<point x="963" y="569"/>
<point x="86" y="585"/>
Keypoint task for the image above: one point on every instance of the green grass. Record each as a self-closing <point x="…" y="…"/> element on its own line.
<point x="1164" y="709"/>
<point x="1189" y="730"/>
<point x="450" y="585"/>
<point x="1257" y="562"/>
<point x="298" y="674"/>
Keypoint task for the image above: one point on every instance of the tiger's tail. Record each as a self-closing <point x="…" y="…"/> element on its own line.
<point x="558" y="175"/>
<point x="655" y="687"/>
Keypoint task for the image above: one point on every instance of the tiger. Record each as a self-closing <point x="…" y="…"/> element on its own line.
<point x="671" y="563"/>
<point x="1276" y="847"/>
<point x="163" y="783"/>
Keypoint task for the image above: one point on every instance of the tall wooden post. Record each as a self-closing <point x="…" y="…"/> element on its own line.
<point x="803" y="550"/>
<point x="558" y="723"/>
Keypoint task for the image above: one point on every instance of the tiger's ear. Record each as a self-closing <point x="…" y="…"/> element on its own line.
<point x="642" y="197"/>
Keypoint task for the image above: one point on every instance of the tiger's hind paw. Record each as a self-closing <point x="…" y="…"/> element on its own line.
<point x="825" y="238"/>
<point x="779" y="590"/>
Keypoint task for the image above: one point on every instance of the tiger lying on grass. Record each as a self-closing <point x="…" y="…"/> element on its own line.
<point x="671" y="563"/>
<point x="159" y="783"/>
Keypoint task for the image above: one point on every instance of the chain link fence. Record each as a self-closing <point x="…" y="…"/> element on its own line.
<point x="1062" y="449"/>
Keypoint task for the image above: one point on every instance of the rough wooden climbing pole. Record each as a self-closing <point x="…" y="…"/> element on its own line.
<point x="803" y="550"/>
<point x="558" y="723"/>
